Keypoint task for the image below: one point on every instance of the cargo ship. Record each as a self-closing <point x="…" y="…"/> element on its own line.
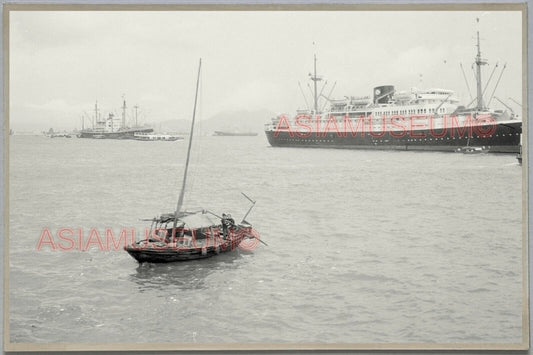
<point x="112" y="127"/>
<point x="428" y="120"/>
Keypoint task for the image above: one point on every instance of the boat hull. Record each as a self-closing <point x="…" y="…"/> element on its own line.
<point x="159" y="252"/>
<point x="168" y="255"/>
<point x="504" y="138"/>
<point x="121" y="134"/>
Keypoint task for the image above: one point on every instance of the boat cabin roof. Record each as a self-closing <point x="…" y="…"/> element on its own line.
<point x="197" y="219"/>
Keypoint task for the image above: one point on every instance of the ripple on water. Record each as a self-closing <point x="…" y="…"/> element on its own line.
<point x="374" y="250"/>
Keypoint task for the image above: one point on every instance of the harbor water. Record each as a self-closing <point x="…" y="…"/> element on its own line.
<point x="363" y="246"/>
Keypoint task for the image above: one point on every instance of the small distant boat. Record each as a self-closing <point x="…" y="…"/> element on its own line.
<point x="60" y="135"/>
<point x="52" y="134"/>
<point x="240" y="134"/>
<point x="519" y="156"/>
<point x="185" y="235"/>
<point x="473" y="150"/>
<point x="156" y="137"/>
<point x="470" y="149"/>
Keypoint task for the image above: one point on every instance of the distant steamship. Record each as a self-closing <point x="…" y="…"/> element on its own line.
<point x="429" y="119"/>
<point x="112" y="127"/>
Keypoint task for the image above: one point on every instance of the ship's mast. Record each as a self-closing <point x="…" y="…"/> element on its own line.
<point x="136" y="107"/>
<point x="124" y="113"/>
<point x="95" y="113"/>
<point x="479" y="63"/>
<point x="315" y="78"/>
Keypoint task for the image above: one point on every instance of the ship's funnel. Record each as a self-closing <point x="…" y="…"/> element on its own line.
<point x="383" y="94"/>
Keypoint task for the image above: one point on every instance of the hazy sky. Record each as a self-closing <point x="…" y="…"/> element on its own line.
<point x="62" y="62"/>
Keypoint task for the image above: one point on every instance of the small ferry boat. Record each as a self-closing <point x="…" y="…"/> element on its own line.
<point x="473" y="150"/>
<point x="235" y="134"/>
<point x="60" y="135"/>
<point x="156" y="137"/>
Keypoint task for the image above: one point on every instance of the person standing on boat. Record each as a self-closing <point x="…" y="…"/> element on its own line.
<point x="227" y="222"/>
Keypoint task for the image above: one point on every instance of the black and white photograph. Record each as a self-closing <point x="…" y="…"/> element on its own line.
<point x="284" y="177"/>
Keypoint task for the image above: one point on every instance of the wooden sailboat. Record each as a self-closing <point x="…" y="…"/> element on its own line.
<point x="189" y="235"/>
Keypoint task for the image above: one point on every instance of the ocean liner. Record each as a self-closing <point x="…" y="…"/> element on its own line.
<point x="112" y="127"/>
<point x="429" y="119"/>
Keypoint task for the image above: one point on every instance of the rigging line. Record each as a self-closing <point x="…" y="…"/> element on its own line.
<point x="466" y="81"/>
<point x="310" y="90"/>
<point x="329" y="96"/>
<point x="497" y="83"/>
<point x="323" y="87"/>
<point x="513" y="100"/>
<point x="491" y="74"/>
<point x="504" y="104"/>
<point x="302" y="91"/>
<point x="475" y="79"/>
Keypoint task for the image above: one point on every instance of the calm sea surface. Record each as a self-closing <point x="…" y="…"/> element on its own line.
<point x="363" y="246"/>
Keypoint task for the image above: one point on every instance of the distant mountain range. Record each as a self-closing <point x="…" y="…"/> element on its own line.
<point x="243" y="121"/>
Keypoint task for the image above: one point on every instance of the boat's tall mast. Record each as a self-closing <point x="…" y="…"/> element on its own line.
<point x="136" y="107"/>
<point x="182" y="192"/>
<point x="479" y="63"/>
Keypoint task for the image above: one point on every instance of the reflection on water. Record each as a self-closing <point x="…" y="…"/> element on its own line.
<point x="189" y="275"/>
